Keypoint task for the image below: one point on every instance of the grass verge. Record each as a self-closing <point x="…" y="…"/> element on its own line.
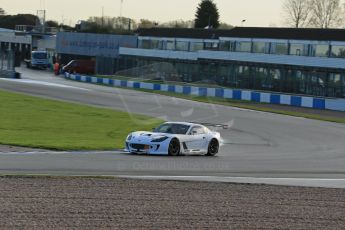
<point x="42" y="123"/>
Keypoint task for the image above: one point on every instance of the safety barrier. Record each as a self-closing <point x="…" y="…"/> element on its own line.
<point x="239" y="94"/>
<point x="8" y="74"/>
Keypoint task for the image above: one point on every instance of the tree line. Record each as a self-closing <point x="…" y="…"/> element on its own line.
<point x="207" y="15"/>
<point x="314" y="13"/>
<point x="297" y="13"/>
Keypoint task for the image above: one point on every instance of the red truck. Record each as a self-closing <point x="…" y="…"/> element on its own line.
<point x="80" y="66"/>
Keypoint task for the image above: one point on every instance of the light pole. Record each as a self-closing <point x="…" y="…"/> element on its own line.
<point x="121" y="6"/>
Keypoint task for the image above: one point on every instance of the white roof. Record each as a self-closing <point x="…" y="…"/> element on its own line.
<point x="181" y="123"/>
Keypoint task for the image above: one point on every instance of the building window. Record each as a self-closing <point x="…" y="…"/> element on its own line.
<point x="195" y="46"/>
<point x="318" y="83"/>
<point x="260" y="47"/>
<point x="232" y="46"/>
<point x="320" y="50"/>
<point x="288" y="83"/>
<point x="335" y="85"/>
<point x="182" y="46"/>
<point x="211" y="45"/>
<point x="224" y="71"/>
<point x="243" y="77"/>
<point x="279" y="48"/>
<point x="145" y="44"/>
<point x="301" y="82"/>
<point x="156" y="44"/>
<point x="298" y="50"/>
<point x="243" y="47"/>
<point x="170" y="45"/>
<point x="276" y="79"/>
<point x="262" y="79"/>
<point x="338" y="51"/>
<point x="224" y="46"/>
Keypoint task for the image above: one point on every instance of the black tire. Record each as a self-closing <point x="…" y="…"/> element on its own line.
<point x="174" y="147"/>
<point x="213" y="147"/>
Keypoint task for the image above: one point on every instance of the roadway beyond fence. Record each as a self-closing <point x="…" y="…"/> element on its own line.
<point x="239" y="94"/>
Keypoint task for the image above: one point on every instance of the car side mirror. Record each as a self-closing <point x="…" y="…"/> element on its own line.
<point x="193" y="133"/>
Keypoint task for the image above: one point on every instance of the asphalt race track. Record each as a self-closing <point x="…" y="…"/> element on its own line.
<point x="273" y="147"/>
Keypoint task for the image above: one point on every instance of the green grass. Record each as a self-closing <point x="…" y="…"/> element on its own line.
<point x="42" y="123"/>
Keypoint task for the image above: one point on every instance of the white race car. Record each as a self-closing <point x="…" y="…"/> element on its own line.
<point x="174" y="138"/>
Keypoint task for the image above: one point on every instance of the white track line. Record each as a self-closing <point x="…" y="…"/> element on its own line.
<point x="19" y="153"/>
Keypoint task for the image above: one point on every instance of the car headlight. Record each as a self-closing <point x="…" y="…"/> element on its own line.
<point x="160" y="139"/>
<point x="129" y="137"/>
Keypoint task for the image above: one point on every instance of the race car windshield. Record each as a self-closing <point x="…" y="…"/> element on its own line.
<point x="172" y="128"/>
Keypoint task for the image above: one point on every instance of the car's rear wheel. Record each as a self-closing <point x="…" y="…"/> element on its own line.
<point x="174" y="147"/>
<point x="213" y="147"/>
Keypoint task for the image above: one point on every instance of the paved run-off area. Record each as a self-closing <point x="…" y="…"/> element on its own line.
<point x="92" y="203"/>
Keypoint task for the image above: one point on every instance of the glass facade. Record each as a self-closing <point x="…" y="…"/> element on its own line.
<point x="224" y="46"/>
<point x="170" y="45"/>
<point x="315" y="50"/>
<point x="182" y="46"/>
<point x="335" y="85"/>
<point x="211" y="45"/>
<point x="298" y="49"/>
<point x="156" y="44"/>
<point x="145" y="44"/>
<point x="260" y="47"/>
<point x="338" y="51"/>
<point x="279" y="48"/>
<point x="252" y="76"/>
<point x="256" y="76"/>
<point x="195" y="46"/>
<point x="243" y="47"/>
<point x="227" y="46"/>
<point x="320" y="50"/>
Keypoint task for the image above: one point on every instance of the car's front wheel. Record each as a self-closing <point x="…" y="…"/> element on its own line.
<point x="213" y="147"/>
<point x="174" y="147"/>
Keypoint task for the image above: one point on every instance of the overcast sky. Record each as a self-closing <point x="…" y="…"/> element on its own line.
<point x="255" y="12"/>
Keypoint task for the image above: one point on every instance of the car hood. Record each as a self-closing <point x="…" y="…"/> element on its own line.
<point x="148" y="136"/>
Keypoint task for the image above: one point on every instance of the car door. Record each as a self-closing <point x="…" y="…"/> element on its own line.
<point x="197" y="139"/>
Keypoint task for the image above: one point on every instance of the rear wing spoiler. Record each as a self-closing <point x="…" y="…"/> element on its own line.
<point x="223" y="126"/>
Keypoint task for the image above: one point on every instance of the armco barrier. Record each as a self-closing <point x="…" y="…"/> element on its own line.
<point x="247" y="95"/>
<point x="8" y="74"/>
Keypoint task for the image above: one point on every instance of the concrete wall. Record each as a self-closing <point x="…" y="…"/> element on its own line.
<point x="247" y="95"/>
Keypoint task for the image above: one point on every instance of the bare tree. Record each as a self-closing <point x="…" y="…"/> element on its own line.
<point x="2" y="11"/>
<point x="297" y="12"/>
<point x="326" y="13"/>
